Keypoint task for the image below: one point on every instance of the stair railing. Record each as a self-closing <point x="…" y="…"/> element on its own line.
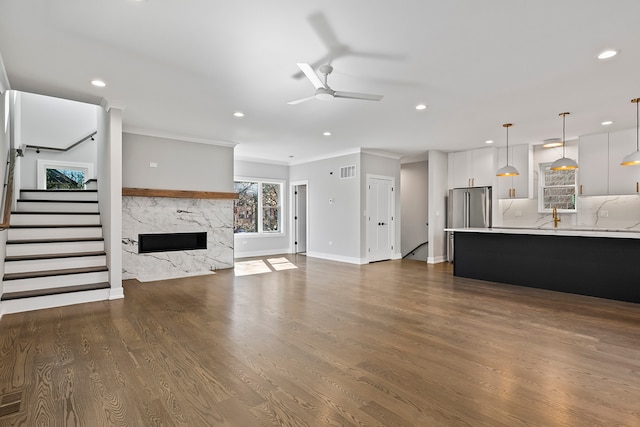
<point x="8" y="189"/>
<point x="62" y="150"/>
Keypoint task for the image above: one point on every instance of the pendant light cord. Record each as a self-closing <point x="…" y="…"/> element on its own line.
<point x="507" y="145"/>
<point x="637" y="124"/>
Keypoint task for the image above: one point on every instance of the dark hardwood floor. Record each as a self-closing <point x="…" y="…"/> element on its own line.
<point x="390" y="343"/>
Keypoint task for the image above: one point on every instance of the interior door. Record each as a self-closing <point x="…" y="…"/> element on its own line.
<point x="380" y="218"/>
<point x="300" y="218"/>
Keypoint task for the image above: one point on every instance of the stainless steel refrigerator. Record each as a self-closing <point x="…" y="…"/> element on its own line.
<point x="467" y="208"/>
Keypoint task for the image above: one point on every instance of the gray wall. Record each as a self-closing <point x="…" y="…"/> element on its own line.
<point x="256" y="245"/>
<point x="334" y="227"/>
<point x="415" y="208"/>
<point x="181" y="165"/>
<point x="438" y="191"/>
<point x="373" y="164"/>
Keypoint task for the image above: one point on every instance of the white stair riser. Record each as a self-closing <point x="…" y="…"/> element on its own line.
<point x="26" y="266"/>
<point x="23" y="249"/>
<point x="54" y="219"/>
<point x="59" y="300"/>
<point x="52" y="282"/>
<point x="57" y="207"/>
<point x="53" y="233"/>
<point x="59" y="195"/>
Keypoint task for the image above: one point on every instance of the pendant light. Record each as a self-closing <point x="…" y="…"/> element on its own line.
<point x="634" y="158"/>
<point x="564" y="163"/>
<point x="507" y="170"/>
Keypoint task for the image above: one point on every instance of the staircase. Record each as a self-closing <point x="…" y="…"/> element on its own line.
<point x="55" y="251"/>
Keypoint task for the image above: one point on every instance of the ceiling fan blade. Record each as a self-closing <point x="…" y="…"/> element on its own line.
<point x="314" y="65"/>
<point x="301" y="100"/>
<point x="311" y="75"/>
<point x="357" y="95"/>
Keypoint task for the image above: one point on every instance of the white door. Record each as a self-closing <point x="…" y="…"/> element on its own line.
<point x="300" y="218"/>
<point x="380" y="218"/>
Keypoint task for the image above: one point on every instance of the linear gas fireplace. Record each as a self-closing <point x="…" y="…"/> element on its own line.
<point x="168" y="242"/>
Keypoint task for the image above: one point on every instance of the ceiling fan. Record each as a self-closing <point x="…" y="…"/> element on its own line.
<point x="323" y="91"/>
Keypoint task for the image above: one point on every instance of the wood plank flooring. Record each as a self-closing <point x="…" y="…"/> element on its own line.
<point x="396" y="343"/>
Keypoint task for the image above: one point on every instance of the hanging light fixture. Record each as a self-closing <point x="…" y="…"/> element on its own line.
<point x="507" y="170"/>
<point x="564" y="163"/>
<point x="634" y="158"/>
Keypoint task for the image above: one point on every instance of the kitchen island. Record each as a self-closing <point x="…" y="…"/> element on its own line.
<point x="599" y="263"/>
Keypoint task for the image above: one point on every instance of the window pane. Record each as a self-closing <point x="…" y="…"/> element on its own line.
<point x="270" y="195"/>
<point x="245" y="207"/>
<point x="65" y="179"/>
<point x="560" y="197"/>
<point x="270" y="221"/>
<point x="560" y="177"/>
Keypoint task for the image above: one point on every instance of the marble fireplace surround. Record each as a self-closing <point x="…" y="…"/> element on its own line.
<point x="146" y="211"/>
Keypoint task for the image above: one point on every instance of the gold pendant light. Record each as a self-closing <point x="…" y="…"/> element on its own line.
<point x="507" y="170"/>
<point x="633" y="159"/>
<point x="564" y="163"/>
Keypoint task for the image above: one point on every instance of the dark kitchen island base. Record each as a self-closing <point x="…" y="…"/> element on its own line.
<point x="594" y="266"/>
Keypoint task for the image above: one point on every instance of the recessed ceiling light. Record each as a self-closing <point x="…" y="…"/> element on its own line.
<point x="327" y="133"/>
<point x="238" y="114"/>
<point x="607" y="122"/>
<point x="421" y="107"/>
<point x="552" y="142"/>
<point x="489" y="141"/>
<point x="609" y="53"/>
<point x="98" y="83"/>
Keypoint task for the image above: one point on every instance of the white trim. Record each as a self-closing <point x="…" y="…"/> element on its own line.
<point x="396" y="255"/>
<point x="339" y="258"/>
<point x="260" y="181"/>
<point x="44" y="164"/>
<point x="292" y="213"/>
<point x="392" y="208"/>
<point x="257" y="160"/>
<point x="116" y="293"/>
<point x="240" y="254"/>
<point x="436" y="260"/>
<point x="177" y="137"/>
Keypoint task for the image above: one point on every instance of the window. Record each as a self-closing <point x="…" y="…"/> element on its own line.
<point x="258" y="207"/>
<point x="557" y="189"/>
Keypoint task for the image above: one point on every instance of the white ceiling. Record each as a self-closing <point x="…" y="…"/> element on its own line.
<point x="180" y="68"/>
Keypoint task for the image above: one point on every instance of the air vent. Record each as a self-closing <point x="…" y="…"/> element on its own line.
<point x="347" y="172"/>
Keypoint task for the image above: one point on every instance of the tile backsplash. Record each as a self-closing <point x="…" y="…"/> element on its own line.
<point x="601" y="212"/>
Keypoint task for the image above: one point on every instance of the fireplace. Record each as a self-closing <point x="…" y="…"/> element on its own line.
<point x="168" y="242"/>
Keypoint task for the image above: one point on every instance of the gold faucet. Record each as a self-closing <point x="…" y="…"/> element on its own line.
<point x="556" y="217"/>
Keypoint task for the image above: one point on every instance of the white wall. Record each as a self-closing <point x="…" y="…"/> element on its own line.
<point x="415" y="208"/>
<point x="334" y="227"/>
<point x="380" y="165"/>
<point x="259" y="245"/>
<point x="109" y="145"/>
<point x="437" y="185"/>
<point x="181" y="165"/>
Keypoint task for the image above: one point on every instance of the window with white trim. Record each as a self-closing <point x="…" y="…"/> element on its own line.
<point x="557" y="189"/>
<point x="258" y="207"/>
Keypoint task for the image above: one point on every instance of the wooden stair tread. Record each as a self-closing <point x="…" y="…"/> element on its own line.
<point x="61" y="240"/>
<point x="35" y="190"/>
<point x="54" y="291"/>
<point x="55" y="201"/>
<point x="63" y="272"/>
<point x="56" y="226"/>
<point x="54" y="256"/>
<point x="52" y="213"/>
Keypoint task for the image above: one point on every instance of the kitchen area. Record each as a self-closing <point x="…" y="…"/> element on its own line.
<point x="561" y="215"/>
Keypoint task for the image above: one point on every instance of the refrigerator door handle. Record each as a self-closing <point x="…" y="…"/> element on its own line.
<point x="467" y="209"/>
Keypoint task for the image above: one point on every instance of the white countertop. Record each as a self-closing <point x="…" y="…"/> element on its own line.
<point x="568" y="231"/>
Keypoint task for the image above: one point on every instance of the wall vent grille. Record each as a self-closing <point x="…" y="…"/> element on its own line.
<point x="348" y="172"/>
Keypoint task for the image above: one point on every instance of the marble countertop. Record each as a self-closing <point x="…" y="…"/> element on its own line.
<point x="550" y="231"/>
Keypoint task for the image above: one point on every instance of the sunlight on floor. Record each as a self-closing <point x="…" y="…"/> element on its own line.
<point x="258" y="266"/>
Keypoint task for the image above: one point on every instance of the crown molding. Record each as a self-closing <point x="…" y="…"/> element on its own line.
<point x="177" y="137"/>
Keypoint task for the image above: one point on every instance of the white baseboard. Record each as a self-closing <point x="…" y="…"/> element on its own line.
<point x="396" y="255"/>
<point x="436" y="260"/>
<point x="51" y="301"/>
<point x="339" y="258"/>
<point x="116" y="293"/>
<point x="240" y="254"/>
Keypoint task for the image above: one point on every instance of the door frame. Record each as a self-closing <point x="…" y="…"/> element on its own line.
<point x="292" y="214"/>
<point x="392" y="212"/>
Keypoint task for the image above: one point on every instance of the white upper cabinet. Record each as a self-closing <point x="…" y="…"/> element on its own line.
<point x="516" y="187"/>
<point x="622" y="179"/>
<point x="473" y="168"/>
<point x="593" y="170"/>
